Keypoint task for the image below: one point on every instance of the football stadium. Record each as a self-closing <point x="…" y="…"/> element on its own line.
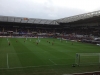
<point x="30" y="46"/>
<point x="65" y="46"/>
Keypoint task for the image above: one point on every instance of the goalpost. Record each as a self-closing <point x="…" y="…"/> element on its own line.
<point x="87" y="59"/>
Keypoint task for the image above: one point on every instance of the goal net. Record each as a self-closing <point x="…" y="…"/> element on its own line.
<point x="87" y="59"/>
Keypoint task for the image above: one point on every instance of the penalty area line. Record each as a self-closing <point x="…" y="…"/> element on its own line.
<point x="52" y="62"/>
<point x="33" y="66"/>
<point x="27" y="67"/>
<point x="7" y="61"/>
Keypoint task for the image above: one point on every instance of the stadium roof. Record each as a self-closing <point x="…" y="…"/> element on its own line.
<point x="50" y="22"/>
<point x="79" y="17"/>
<point x="27" y="20"/>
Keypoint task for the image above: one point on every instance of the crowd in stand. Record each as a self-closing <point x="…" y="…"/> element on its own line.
<point x="65" y="33"/>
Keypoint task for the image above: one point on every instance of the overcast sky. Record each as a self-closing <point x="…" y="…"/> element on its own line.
<point x="47" y="9"/>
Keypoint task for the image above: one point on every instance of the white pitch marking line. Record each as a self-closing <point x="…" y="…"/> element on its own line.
<point x="7" y="61"/>
<point x="26" y="67"/>
<point x="52" y="62"/>
<point x="3" y="68"/>
<point x="31" y="66"/>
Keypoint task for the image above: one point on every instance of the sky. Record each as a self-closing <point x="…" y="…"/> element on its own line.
<point x="47" y="9"/>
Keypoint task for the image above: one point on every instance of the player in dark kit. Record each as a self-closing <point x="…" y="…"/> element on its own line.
<point x="49" y="42"/>
<point x="37" y="43"/>
<point x="52" y="43"/>
<point x="9" y="43"/>
<point x="16" y="40"/>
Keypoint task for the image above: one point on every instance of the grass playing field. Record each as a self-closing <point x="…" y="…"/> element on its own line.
<point x="26" y="57"/>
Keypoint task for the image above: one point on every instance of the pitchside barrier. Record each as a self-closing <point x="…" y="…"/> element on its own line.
<point x="87" y="59"/>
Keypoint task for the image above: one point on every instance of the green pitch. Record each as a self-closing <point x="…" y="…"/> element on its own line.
<point x="49" y="56"/>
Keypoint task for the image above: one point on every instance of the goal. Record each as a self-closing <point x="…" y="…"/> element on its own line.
<point x="87" y="59"/>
